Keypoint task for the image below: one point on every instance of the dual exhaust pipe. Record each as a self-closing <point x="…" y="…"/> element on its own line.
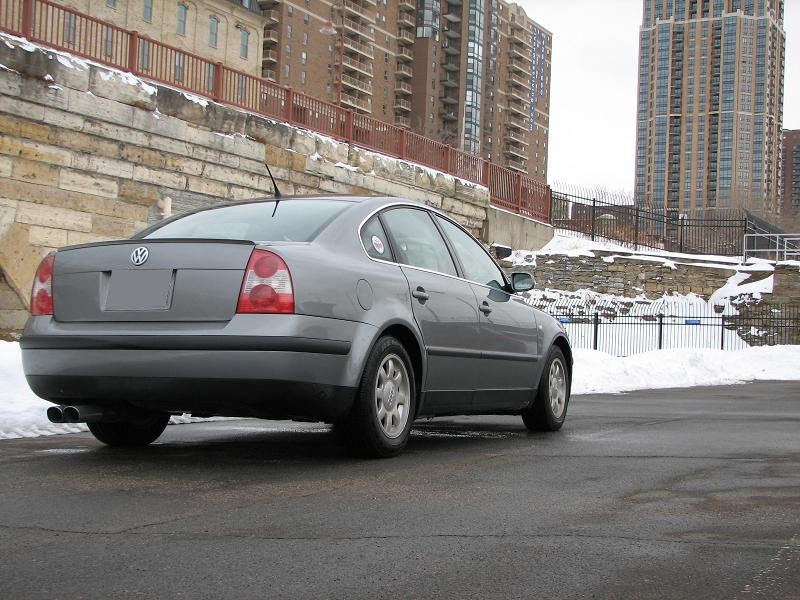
<point x="81" y="414"/>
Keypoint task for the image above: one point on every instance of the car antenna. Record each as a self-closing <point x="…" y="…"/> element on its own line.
<point x="277" y="193"/>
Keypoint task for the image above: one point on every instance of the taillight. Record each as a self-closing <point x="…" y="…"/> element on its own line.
<point x="42" y="291"/>
<point x="267" y="285"/>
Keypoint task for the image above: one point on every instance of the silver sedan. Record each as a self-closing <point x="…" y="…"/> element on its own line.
<point x="367" y="313"/>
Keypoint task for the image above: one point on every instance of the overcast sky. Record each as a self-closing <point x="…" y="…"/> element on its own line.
<point x="593" y="93"/>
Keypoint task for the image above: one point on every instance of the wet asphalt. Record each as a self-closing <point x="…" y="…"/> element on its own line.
<point x="690" y="493"/>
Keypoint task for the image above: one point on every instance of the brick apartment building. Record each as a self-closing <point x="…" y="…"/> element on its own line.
<point x="790" y="205"/>
<point x="474" y="74"/>
<point x="226" y="31"/>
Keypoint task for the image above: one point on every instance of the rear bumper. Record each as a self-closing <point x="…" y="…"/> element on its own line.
<point x="302" y="367"/>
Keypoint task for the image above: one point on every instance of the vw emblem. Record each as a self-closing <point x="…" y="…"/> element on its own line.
<point x="139" y="256"/>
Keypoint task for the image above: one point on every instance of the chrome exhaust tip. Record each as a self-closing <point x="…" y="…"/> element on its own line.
<point x="56" y="414"/>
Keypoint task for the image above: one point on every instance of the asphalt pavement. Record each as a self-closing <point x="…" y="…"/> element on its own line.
<point x="690" y="493"/>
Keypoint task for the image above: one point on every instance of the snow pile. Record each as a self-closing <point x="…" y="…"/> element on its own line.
<point x="22" y="414"/>
<point x="597" y="372"/>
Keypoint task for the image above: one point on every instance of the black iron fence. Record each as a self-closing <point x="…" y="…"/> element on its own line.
<point x="651" y="327"/>
<point x="717" y="232"/>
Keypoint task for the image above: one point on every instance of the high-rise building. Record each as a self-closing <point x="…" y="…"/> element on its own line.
<point x="790" y="207"/>
<point x="710" y="104"/>
<point x="474" y="74"/>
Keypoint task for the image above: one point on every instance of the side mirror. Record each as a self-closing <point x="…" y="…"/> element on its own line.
<point x="522" y="282"/>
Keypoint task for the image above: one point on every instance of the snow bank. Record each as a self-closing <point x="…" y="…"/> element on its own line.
<point x="597" y="372"/>
<point x="22" y="414"/>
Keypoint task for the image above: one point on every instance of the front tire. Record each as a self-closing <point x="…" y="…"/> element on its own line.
<point x="380" y="422"/>
<point x="549" y="409"/>
<point x="135" y="432"/>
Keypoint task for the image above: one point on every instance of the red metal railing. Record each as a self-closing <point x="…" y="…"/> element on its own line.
<point x="62" y="28"/>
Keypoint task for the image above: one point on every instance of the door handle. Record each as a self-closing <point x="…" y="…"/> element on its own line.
<point x="485" y="308"/>
<point x="420" y="294"/>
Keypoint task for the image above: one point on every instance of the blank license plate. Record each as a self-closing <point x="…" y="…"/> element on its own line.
<point x="140" y="290"/>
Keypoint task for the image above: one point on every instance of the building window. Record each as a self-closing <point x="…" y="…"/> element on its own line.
<point x="111" y="3"/>
<point x="289" y="31"/>
<point x="144" y="55"/>
<point x="108" y="41"/>
<point x="286" y="71"/>
<point x="211" y="74"/>
<point x="303" y="57"/>
<point x="302" y="77"/>
<point x="179" y="64"/>
<point x="290" y="10"/>
<point x="182" y="13"/>
<point x="147" y="11"/>
<point x="213" y="31"/>
<point x="305" y="18"/>
<point x="244" y="42"/>
<point x="69" y="28"/>
<point x="305" y="38"/>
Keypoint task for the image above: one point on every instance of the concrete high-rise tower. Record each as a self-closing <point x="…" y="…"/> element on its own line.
<point x="710" y="105"/>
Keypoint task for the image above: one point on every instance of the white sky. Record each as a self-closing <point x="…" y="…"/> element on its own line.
<point x="593" y="88"/>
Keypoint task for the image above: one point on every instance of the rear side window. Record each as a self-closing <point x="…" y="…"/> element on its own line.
<point x="294" y="221"/>
<point x="417" y="241"/>
<point x="374" y="239"/>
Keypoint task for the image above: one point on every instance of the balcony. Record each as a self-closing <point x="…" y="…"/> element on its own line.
<point x="405" y="54"/>
<point x="401" y="87"/>
<point x="451" y="66"/>
<point x="448" y="115"/>
<point x="270" y="36"/>
<point x="358" y="28"/>
<point x="449" y="81"/>
<point x="447" y="99"/>
<point x="452" y="33"/>
<point x="400" y="104"/>
<point x="518" y="123"/>
<point x="454" y="2"/>
<point x="519" y="109"/>
<point x="405" y="37"/>
<point x="351" y="64"/>
<point x="453" y="17"/>
<point x="451" y="48"/>
<point x="512" y="135"/>
<point x="515" y="152"/>
<point x="406" y="20"/>
<point x="356" y="46"/>
<point x="519" y="66"/>
<point x="270" y="56"/>
<point x="407" y="5"/>
<point x="272" y="16"/>
<point x="356" y="10"/>
<point x="522" y="54"/>
<point x="354" y="83"/>
<point x="516" y="80"/>
<point x="517" y="165"/>
<point x="521" y="36"/>
<point x="269" y="74"/>
<point x="402" y="70"/>
<point x="520" y="95"/>
<point x="357" y="103"/>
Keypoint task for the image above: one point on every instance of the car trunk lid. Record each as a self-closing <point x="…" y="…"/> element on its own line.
<point x="150" y="280"/>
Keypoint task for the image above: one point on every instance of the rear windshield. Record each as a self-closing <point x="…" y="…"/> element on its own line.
<point x="294" y="221"/>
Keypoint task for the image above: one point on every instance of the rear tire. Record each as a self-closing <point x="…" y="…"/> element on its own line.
<point x="136" y="432"/>
<point x="380" y="422"/>
<point x="549" y="409"/>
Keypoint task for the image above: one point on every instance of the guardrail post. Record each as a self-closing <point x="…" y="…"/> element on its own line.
<point x="722" y="337"/>
<point x="348" y="125"/>
<point x="27" y="19"/>
<point x="518" y="191"/>
<point x="660" y="331"/>
<point x="402" y="150"/>
<point x="485" y="173"/>
<point x="549" y="192"/>
<point x="218" y="81"/>
<point x="447" y="150"/>
<point x="636" y="227"/>
<point x="595" y="330"/>
<point x="133" y="52"/>
<point x="288" y="105"/>
<point x="594" y="216"/>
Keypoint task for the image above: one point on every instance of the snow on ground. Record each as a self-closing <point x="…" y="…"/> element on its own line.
<point x="22" y="414"/>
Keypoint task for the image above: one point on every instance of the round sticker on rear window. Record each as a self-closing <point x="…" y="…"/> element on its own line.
<point x="377" y="244"/>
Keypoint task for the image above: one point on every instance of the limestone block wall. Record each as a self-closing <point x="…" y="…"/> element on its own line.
<point x="86" y="154"/>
